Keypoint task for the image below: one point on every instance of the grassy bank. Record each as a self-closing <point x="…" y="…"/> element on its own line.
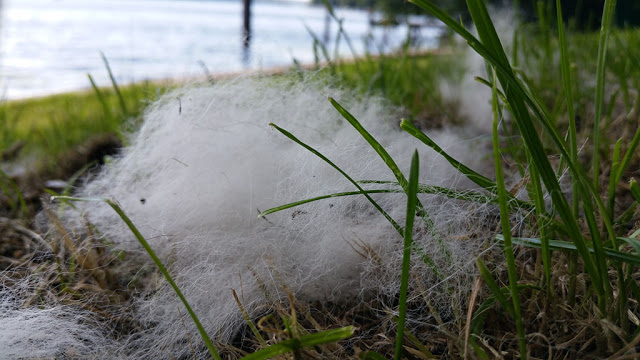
<point x="565" y="131"/>
<point x="44" y="129"/>
<point x="51" y="125"/>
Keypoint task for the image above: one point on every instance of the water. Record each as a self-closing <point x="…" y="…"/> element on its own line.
<point x="49" y="46"/>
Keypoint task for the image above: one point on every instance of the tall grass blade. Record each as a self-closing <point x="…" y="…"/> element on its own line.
<point x="559" y="245"/>
<point x="518" y="100"/>
<point x="103" y="102"/>
<point x="635" y="189"/>
<point x="388" y="160"/>
<point x="565" y="68"/>
<point x="205" y="337"/>
<point x="626" y="160"/>
<point x="123" y="105"/>
<point x="506" y="225"/>
<point x="329" y="7"/>
<point x="412" y="198"/>
<point x="391" y="164"/>
<point x="420" y="252"/>
<point x="342" y="33"/>
<point x="471" y="196"/>
<point x="533" y="143"/>
<point x="635" y="243"/>
<point x="573" y="150"/>
<point x="541" y="216"/>
<point x="599" y="255"/>
<point x="607" y="16"/>
<point x="362" y="191"/>
<point x="477" y="178"/>
<point x="622" y="297"/>
<point x="320" y="44"/>
<point x="615" y="164"/>
<point x="323" y="197"/>
<point x="495" y="288"/>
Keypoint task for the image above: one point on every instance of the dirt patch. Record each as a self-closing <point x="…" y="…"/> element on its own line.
<point x="26" y="186"/>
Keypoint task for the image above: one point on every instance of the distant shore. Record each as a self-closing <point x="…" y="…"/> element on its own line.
<point x="207" y="77"/>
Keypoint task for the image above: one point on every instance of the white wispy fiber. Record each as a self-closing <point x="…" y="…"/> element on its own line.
<point x="206" y="160"/>
<point x="51" y="332"/>
<point x="475" y="97"/>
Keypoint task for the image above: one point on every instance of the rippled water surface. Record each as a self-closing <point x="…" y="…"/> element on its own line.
<point x="49" y="46"/>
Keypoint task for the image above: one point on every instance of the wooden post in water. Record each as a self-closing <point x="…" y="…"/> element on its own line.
<point x="246" y="24"/>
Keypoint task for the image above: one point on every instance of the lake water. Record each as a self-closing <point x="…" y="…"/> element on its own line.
<point x="49" y="46"/>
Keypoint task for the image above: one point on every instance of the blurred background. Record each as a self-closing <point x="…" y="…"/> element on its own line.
<point x="49" y="46"/>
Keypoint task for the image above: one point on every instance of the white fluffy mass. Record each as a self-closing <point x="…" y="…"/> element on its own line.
<point x="58" y="332"/>
<point x="206" y="161"/>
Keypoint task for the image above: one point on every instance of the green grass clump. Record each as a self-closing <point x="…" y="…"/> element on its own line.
<point x="589" y="228"/>
<point x="408" y="78"/>
<point x="412" y="81"/>
<point x="51" y="126"/>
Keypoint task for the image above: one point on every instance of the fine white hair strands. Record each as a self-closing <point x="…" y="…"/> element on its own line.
<point x="205" y="162"/>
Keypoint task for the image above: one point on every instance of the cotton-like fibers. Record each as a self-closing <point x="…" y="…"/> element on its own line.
<point x="49" y="332"/>
<point x="474" y="97"/>
<point x="206" y="161"/>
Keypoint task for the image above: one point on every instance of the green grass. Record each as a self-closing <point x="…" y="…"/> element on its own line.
<point x="52" y="125"/>
<point x="560" y="106"/>
<point x="406" y="78"/>
<point x="410" y="80"/>
<point x="543" y="116"/>
<point x="541" y="136"/>
<point x="412" y="200"/>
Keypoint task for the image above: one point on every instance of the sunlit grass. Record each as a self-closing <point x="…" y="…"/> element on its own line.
<point x="52" y="125"/>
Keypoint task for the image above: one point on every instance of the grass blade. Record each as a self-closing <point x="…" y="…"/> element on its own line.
<point x="4" y="180"/>
<point x="568" y="91"/>
<point x="420" y="252"/>
<point x="123" y="106"/>
<point x="506" y="225"/>
<point x="635" y="243"/>
<point x="471" y="196"/>
<point x="248" y="320"/>
<point x="402" y="180"/>
<point x="317" y="198"/>
<point x="477" y="178"/>
<point x="607" y="16"/>
<point x="615" y="164"/>
<point x="297" y="344"/>
<point x="317" y="42"/>
<point x="103" y="102"/>
<point x="635" y="189"/>
<point x="626" y="160"/>
<point x="534" y="145"/>
<point x="540" y="210"/>
<point x="388" y="160"/>
<point x="412" y="199"/>
<point x="559" y="245"/>
<point x="205" y="337"/>
<point x="362" y="191"/>
<point x="495" y="288"/>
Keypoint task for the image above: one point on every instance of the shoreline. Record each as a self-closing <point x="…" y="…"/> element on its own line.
<point x="269" y="71"/>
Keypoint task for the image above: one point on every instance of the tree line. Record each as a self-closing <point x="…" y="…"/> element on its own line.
<point x="582" y="15"/>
